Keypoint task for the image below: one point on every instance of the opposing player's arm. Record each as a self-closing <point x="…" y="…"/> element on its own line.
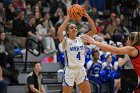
<point x="62" y="28"/>
<point x="122" y="61"/>
<point x="131" y="51"/>
<point x="120" y="51"/>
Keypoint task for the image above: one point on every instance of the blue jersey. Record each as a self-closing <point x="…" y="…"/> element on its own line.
<point x="94" y="71"/>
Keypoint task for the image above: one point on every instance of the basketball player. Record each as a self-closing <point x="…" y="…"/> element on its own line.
<point x="132" y="49"/>
<point x="74" y="51"/>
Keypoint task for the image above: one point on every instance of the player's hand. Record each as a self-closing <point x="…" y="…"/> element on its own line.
<point x="85" y="13"/>
<point x="89" y="39"/>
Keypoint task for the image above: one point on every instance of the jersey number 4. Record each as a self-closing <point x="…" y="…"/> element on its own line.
<point x="78" y="56"/>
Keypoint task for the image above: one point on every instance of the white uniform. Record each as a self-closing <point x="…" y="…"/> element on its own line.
<point x="74" y="62"/>
<point x="75" y="52"/>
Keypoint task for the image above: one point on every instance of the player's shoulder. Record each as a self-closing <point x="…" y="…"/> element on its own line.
<point x="104" y="63"/>
<point x="89" y="63"/>
<point x="100" y="62"/>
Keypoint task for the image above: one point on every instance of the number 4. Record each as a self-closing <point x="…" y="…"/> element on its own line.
<point x="78" y="56"/>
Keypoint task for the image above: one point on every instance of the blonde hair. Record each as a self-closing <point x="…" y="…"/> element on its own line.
<point x="135" y="38"/>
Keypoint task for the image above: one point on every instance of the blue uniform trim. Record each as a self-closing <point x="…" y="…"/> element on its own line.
<point x="65" y="83"/>
<point x="85" y="78"/>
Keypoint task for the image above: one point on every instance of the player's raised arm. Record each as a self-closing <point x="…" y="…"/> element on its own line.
<point x="62" y="28"/>
<point x="91" y="23"/>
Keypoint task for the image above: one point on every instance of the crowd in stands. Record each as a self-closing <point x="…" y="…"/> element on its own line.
<point x="40" y="19"/>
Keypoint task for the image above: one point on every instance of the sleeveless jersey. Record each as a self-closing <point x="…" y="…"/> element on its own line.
<point x="74" y="53"/>
<point x="136" y="61"/>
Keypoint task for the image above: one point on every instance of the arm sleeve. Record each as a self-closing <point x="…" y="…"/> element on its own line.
<point x="41" y="81"/>
<point x="30" y="80"/>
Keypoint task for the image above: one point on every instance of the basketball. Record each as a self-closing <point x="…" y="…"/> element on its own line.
<point x="76" y="11"/>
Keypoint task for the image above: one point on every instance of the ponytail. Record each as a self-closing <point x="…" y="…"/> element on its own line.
<point x="135" y="38"/>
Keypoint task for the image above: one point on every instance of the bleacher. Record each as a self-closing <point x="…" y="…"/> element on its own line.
<point x="50" y="79"/>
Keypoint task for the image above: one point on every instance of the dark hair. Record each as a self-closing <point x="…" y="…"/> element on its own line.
<point x="43" y="20"/>
<point x="33" y="65"/>
<point x="134" y="37"/>
<point x="1" y="31"/>
<point x="31" y="16"/>
<point x="67" y="27"/>
<point x="108" y="55"/>
<point x="94" y="51"/>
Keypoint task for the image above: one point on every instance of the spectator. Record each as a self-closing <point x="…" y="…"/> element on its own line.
<point x="120" y="33"/>
<point x="10" y="15"/>
<point x="58" y="16"/>
<point x="38" y="17"/>
<point x="34" y="80"/>
<point x="6" y="55"/>
<point x="19" y="4"/>
<point x="95" y="13"/>
<point x="10" y="12"/>
<point x="2" y="12"/>
<point x="67" y="3"/>
<point x="45" y="33"/>
<point x="87" y="7"/>
<point x="31" y="2"/>
<point x="35" y="9"/>
<point x="31" y="31"/>
<point x="108" y="67"/>
<point x="2" y="16"/>
<point x="19" y="26"/>
<point x="136" y="17"/>
<point x="111" y="28"/>
<point x="47" y="17"/>
<point x="54" y="5"/>
<point x="3" y="84"/>
<point x="94" y="67"/>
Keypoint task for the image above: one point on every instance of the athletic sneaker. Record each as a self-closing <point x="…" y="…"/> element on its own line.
<point x="50" y="51"/>
<point x="35" y="52"/>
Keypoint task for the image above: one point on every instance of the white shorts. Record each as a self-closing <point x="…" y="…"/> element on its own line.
<point x="76" y="74"/>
